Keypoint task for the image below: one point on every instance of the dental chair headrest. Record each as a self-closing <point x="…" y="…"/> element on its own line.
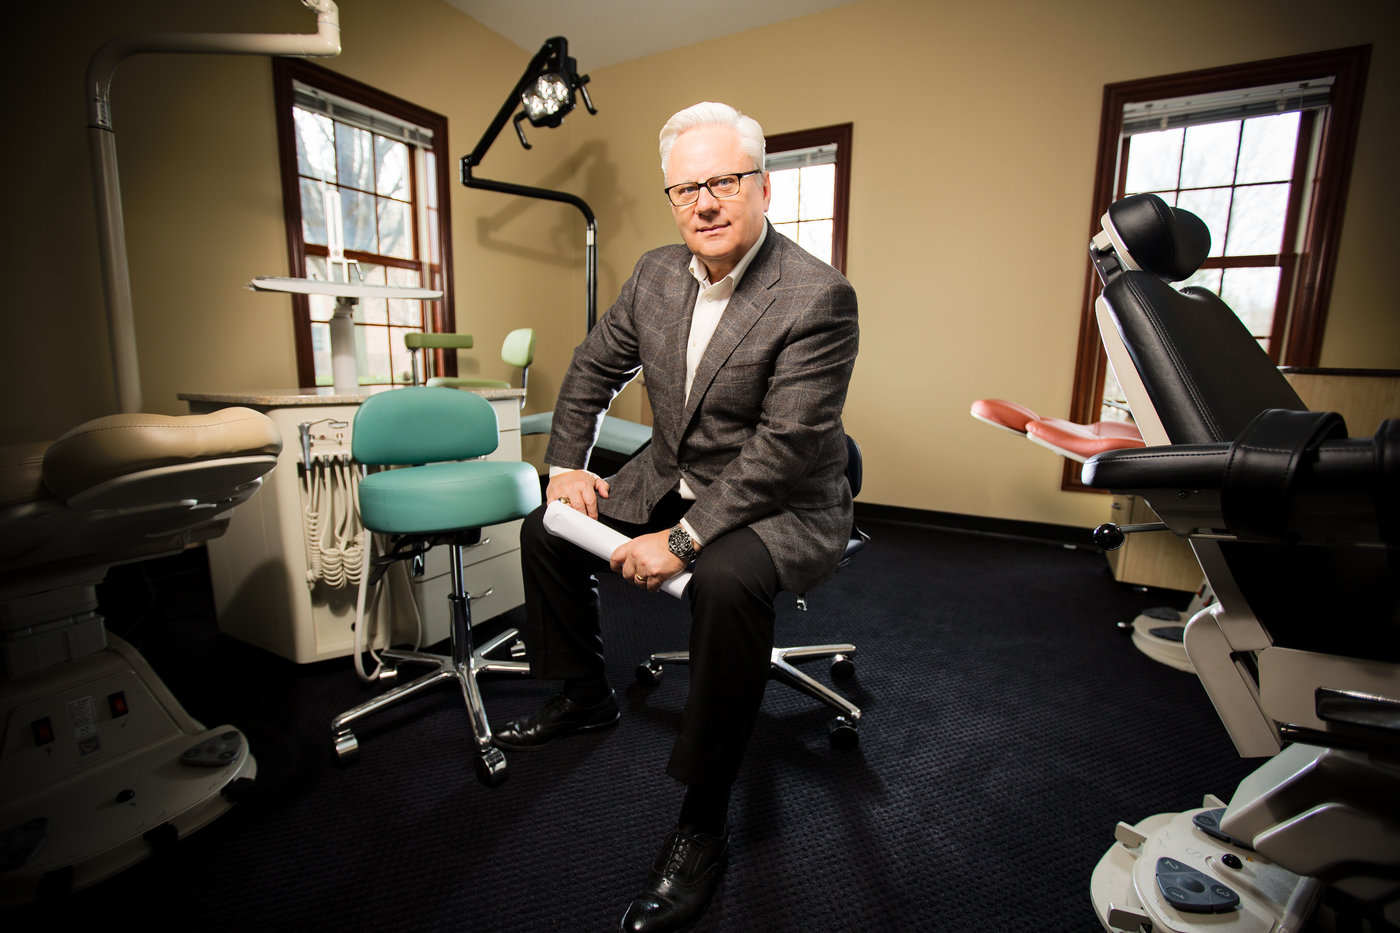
<point x="1151" y="236"/>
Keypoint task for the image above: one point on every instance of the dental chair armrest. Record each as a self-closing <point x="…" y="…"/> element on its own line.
<point x="1157" y="469"/>
<point x="1289" y="478"/>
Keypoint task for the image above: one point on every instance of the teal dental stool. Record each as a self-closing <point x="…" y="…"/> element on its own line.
<point x="442" y="497"/>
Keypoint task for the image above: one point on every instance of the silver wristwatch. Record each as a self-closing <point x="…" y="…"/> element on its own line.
<point x="681" y="544"/>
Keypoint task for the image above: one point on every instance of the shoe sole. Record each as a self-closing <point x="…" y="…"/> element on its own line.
<point x="591" y="727"/>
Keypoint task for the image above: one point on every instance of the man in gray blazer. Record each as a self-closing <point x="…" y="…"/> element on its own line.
<point x="748" y="343"/>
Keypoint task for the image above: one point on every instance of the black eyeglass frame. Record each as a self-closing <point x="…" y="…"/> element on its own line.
<point x="706" y="185"/>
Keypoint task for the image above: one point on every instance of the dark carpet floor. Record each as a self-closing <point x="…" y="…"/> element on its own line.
<point x="1008" y="726"/>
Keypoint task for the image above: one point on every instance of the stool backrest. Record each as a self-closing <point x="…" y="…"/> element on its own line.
<point x="518" y="349"/>
<point x="419" y="424"/>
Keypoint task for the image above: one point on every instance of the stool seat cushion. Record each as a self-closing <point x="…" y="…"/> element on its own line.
<point x="439" y="497"/>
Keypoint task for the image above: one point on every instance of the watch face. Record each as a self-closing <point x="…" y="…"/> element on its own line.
<point x="680" y="543"/>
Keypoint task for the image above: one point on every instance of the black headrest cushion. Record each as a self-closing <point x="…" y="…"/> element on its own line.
<point x="1161" y="239"/>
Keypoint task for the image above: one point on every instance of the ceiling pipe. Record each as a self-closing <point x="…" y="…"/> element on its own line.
<point x="102" y="147"/>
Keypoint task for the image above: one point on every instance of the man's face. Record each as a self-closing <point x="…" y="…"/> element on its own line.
<point x="718" y="230"/>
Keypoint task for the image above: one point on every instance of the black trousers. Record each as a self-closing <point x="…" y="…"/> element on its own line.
<point x="731" y="594"/>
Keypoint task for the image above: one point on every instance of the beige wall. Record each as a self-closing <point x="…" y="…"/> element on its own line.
<point x="972" y="161"/>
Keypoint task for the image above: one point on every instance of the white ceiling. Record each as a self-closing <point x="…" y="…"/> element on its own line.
<point x="606" y="32"/>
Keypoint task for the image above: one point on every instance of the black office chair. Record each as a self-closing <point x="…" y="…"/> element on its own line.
<point x="842" y="729"/>
<point x="1297" y="528"/>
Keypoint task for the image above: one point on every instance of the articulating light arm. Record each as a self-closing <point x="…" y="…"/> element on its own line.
<point x="545" y="93"/>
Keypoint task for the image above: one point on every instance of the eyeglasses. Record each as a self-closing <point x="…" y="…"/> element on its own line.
<point x="721" y="186"/>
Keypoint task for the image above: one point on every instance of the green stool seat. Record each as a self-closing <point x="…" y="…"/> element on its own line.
<point x="441" y="497"/>
<point x="441" y="492"/>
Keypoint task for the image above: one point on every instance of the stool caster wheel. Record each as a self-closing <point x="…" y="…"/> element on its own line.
<point x="842" y="733"/>
<point x="491" y="767"/>
<point x="649" y="673"/>
<point x="517" y="650"/>
<point x="842" y="667"/>
<point x="347" y="747"/>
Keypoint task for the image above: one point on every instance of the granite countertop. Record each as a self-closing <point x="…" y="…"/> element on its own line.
<point x="320" y="395"/>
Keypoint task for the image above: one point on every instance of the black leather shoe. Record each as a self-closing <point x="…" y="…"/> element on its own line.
<point x="556" y="719"/>
<point x="680" y="885"/>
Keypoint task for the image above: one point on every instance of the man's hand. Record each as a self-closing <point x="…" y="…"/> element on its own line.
<point x="579" y="490"/>
<point x="647" y="560"/>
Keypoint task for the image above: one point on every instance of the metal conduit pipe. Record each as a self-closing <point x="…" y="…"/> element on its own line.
<point x="102" y="147"/>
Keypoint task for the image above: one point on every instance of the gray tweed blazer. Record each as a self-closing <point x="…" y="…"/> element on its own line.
<point x="760" y="439"/>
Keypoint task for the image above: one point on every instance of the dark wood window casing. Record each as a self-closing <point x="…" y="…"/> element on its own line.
<point x="839" y="134"/>
<point x="436" y="274"/>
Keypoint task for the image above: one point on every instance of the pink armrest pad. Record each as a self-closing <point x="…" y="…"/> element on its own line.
<point x="1086" y="439"/>
<point x="1009" y="415"/>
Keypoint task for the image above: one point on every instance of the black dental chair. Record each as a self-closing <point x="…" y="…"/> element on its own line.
<point x="1297" y="528"/>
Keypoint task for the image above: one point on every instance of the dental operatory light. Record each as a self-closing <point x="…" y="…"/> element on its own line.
<point x="545" y="95"/>
<point x="546" y="89"/>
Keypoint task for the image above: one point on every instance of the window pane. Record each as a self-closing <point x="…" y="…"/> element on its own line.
<point x="378" y="366"/>
<point x="782" y="206"/>
<point x="399" y="355"/>
<point x="362" y="353"/>
<point x="1209" y="155"/>
<point x="817" y="191"/>
<point x="313" y="212"/>
<point x="1256" y="222"/>
<point x="788" y="230"/>
<point x="394" y="275"/>
<point x="1209" y="279"/>
<point x="321" y="351"/>
<point x="430" y="173"/>
<point x="354" y="157"/>
<point x="407" y="312"/>
<point x="1213" y="206"/>
<point x="395" y="238"/>
<point x="357" y="220"/>
<point x="1154" y="162"/>
<point x="1251" y="294"/>
<point x="315" y="144"/>
<point x="815" y="237"/>
<point x="391" y="180"/>
<point x="1266" y="152"/>
<point x="372" y="310"/>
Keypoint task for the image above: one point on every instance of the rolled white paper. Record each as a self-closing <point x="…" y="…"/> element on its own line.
<point x="597" y="539"/>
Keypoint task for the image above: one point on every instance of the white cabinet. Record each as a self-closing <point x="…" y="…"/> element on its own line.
<point x="260" y="566"/>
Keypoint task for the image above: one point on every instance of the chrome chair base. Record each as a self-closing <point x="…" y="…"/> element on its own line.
<point x="462" y="666"/>
<point x="841" y="731"/>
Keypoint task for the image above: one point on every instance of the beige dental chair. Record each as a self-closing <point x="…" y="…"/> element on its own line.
<point x="99" y="763"/>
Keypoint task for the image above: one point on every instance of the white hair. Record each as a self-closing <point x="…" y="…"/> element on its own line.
<point x="712" y="114"/>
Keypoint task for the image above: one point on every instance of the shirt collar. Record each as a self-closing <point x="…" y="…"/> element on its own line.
<point x="697" y="268"/>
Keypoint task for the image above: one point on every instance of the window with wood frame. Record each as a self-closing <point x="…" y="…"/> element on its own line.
<point x="1262" y="153"/>
<point x="365" y="192"/>
<point x="810" y="173"/>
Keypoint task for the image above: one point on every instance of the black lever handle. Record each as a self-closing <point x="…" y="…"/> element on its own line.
<point x="1110" y="536"/>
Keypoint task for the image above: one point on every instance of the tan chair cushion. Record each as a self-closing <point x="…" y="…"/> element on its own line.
<point x="22" y="472"/>
<point x="115" y="445"/>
